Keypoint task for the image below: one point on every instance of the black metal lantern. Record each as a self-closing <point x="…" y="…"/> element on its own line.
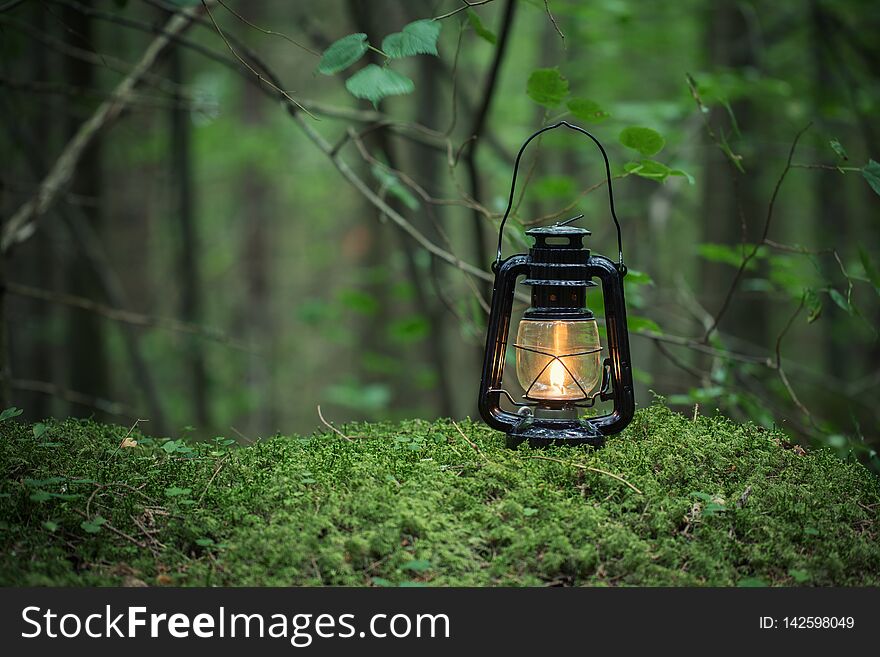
<point x="560" y="362"/>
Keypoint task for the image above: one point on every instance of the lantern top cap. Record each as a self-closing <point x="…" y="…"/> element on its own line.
<point x="558" y="231"/>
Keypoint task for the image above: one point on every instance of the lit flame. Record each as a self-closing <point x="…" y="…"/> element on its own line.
<point x="557" y="376"/>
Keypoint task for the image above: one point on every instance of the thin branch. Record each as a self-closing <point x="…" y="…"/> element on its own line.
<point x="259" y="75"/>
<point x="779" y="369"/>
<point x="749" y="256"/>
<point x="104" y="61"/>
<point x="381" y="205"/>
<point x="467" y="5"/>
<point x="265" y="31"/>
<point x="52" y="390"/>
<point x="553" y="20"/>
<point x="124" y="316"/>
<point x="20" y="226"/>
<point x="116" y="531"/>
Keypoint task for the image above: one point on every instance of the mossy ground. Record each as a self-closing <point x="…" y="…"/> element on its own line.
<point x="719" y="504"/>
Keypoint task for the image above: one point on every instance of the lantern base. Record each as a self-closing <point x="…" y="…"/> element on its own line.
<point x="544" y="432"/>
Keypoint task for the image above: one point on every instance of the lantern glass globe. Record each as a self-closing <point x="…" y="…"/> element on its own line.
<point x="558" y="360"/>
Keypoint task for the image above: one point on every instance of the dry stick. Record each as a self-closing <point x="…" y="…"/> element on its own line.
<point x="123" y="316"/>
<point x="118" y="532"/>
<point x="468" y="440"/>
<point x="20" y="225"/>
<point x="591" y="469"/>
<point x="217" y="469"/>
<point x="331" y="427"/>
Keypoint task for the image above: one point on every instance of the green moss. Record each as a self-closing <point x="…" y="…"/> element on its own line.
<point x="719" y="504"/>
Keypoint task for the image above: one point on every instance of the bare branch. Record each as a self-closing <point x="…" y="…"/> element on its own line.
<point x="553" y="20"/>
<point x="97" y="403"/>
<point x="19" y="227"/>
<point x="751" y="255"/>
<point x="265" y="31"/>
<point x="124" y="316"/>
<point x="244" y="62"/>
<point x="467" y="5"/>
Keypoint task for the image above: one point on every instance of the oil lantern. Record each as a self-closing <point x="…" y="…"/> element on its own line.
<point x="561" y="365"/>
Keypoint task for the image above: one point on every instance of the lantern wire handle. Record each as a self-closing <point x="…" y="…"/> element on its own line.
<point x="519" y="155"/>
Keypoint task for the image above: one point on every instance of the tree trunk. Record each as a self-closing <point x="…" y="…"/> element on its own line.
<point x="189" y="255"/>
<point x="87" y="357"/>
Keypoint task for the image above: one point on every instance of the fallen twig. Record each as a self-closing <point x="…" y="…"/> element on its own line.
<point x="332" y="428"/>
<point x="118" y="532"/>
<point x="590" y="468"/>
<point x="217" y="469"/>
<point x="468" y="440"/>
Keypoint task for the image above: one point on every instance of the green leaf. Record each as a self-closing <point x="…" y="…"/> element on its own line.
<point x="375" y="83"/>
<point x="650" y="169"/>
<point x="409" y="329"/>
<point x="871" y="172"/>
<point x="479" y="28"/>
<point x="684" y="174"/>
<point x="813" y="304"/>
<point x="359" y="301"/>
<point x="587" y="110"/>
<point x="636" y="277"/>
<point x="838" y="148"/>
<point x="205" y="542"/>
<point x="93" y="526"/>
<point x="41" y="496"/>
<point x="10" y="412"/>
<point x="551" y="187"/>
<point x="174" y="491"/>
<point x="529" y="511"/>
<point x="51" y="525"/>
<point x="417" y="565"/>
<point x="644" y="140"/>
<point x="39" y="429"/>
<point x="871" y="270"/>
<point x="417" y="38"/>
<point x="636" y="323"/>
<point x="547" y="87"/>
<point x="392" y="183"/>
<point x="724" y="253"/>
<point x="39" y="483"/>
<point x="840" y="300"/>
<point x="799" y="576"/>
<point x="343" y="53"/>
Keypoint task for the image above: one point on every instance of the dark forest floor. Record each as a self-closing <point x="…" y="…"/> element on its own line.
<point x="717" y="503"/>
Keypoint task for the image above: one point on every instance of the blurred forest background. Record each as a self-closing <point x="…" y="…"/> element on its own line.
<point x="219" y="215"/>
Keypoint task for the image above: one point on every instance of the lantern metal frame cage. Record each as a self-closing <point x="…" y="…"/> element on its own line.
<point x="559" y="271"/>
